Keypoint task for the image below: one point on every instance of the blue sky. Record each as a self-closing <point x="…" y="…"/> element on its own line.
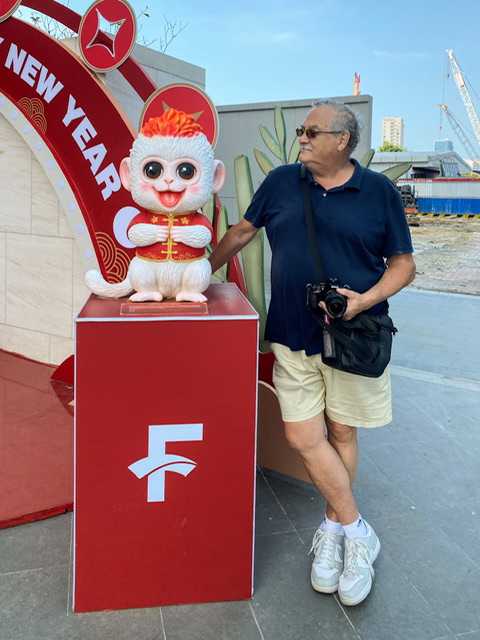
<point x="269" y="50"/>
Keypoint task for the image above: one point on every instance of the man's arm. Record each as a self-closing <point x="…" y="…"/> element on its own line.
<point x="232" y="242"/>
<point x="400" y="273"/>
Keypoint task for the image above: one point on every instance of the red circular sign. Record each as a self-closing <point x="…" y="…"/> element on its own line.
<point x="102" y="52"/>
<point x="7" y="7"/>
<point x="187" y="98"/>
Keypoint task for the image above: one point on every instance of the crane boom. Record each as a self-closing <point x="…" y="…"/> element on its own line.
<point x="460" y="134"/>
<point x="467" y="101"/>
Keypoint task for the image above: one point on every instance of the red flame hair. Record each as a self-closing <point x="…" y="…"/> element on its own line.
<point x="172" y="123"/>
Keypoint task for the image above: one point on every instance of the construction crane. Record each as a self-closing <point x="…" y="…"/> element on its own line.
<point x="467" y="101"/>
<point x="457" y="127"/>
<point x="356" y="85"/>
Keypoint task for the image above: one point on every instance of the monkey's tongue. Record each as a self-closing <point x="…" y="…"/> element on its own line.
<point x="170" y="199"/>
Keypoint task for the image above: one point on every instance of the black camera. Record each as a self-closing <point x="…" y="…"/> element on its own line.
<point x="327" y="292"/>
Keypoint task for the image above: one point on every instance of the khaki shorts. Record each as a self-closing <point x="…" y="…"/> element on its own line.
<point x="306" y="387"/>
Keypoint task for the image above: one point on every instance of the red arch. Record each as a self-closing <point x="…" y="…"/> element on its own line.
<point x="100" y="114"/>
<point x="138" y="79"/>
<point x="81" y="124"/>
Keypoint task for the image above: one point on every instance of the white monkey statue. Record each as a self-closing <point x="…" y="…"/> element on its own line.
<point x="171" y="173"/>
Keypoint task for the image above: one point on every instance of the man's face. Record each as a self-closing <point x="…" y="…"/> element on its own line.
<point x="321" y="149"/>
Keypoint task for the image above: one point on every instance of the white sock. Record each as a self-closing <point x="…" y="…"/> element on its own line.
<point x="357" y="529"/>
<point x="329" y="526"/>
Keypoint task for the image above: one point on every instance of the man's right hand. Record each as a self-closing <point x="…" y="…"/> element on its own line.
<point x="232" y="242"/>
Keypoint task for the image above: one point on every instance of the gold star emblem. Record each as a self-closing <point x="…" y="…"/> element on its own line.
<point x="184" y="220"/>
<point x="154" y="219"/>
<point x="195" y="116"/>
<point x="109" y="46"/>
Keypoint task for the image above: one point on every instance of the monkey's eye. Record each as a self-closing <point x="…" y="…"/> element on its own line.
<point x="186" y="171"/>
<point x="153" y="170"/>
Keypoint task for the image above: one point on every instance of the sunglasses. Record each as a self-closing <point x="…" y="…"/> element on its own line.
<point x="311" y="133"/>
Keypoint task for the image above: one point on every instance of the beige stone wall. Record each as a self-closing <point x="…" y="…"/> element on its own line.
<point x="41" y="275"/>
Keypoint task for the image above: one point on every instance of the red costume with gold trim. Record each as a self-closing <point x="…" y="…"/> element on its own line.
<point x="170" y="250"/>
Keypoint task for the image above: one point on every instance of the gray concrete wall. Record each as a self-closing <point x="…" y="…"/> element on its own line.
<point x="239" y="134"/>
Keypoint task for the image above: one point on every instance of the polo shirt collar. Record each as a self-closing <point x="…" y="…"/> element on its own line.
<point x="354" y="182"/>
<point x="357" y="176"/>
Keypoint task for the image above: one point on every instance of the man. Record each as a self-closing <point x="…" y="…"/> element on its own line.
<point x="364" y="242"/>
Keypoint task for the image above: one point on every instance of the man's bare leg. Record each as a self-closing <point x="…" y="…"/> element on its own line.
<point x="325" y="465"/>
<point x="343" y="439"/>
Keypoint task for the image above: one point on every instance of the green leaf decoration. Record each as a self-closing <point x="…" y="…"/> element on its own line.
<point x="221" y="229"/>
<point x="253" y="253"/>
<point x="254" y="273"/>
<point x="243" y="183"/>
<point x="294" y="151"/>
<point x="367" y="158"/>
<point x="222" y="223"/>
<point x="208" y="209"/>
<point x="265" y="164"/>
<point x="270" y="141"/>
<point x="396" y="171"/>
<point x="281" y="131"/>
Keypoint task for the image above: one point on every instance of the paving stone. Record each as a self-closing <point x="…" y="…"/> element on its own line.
<point x="417" y="484"/>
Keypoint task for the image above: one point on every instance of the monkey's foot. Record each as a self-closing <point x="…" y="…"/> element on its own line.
<point x="146" y="296"/>
<point x="190" y="296"/>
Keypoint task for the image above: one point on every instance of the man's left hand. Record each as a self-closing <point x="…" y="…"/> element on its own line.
<point x="355" y="303"/>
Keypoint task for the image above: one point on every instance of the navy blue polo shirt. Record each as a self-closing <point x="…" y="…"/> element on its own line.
<point x="357" y="226"/>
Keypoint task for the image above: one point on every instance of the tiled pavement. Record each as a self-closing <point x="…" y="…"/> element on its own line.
<point x="418" y="484"/>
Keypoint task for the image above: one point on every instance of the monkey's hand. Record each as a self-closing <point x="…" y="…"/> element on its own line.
<point x="162" y="234"/>
<point x="196" y="236"/>
<point x="143" y="235"/>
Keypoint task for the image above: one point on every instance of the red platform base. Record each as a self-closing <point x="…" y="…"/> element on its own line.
<point x="165" y="413"/>
<point x="36" y="443"/>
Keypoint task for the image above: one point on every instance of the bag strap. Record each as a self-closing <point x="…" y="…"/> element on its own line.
<point x="341" y="337"/>
<point x="307" y="204"/>
<point x="347" y="342"/>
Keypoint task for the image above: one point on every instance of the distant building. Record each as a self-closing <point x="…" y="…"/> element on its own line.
<point x="392" y="131"/>
<point x="425" y="165"/>
<point x="474" y="164"/>
<point x="441" y="146"/>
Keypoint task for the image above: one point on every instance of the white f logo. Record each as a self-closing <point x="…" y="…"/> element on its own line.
<point x="158" y="462"/>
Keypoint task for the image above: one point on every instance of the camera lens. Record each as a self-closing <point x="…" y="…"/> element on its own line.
<point x="336" y="304"/>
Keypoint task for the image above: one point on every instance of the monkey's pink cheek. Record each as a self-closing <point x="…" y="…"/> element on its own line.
<point x="195" y="188"/>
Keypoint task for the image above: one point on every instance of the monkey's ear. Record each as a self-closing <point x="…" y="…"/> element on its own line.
<point x="125" y="173"/>
<point x="219" y="176"/>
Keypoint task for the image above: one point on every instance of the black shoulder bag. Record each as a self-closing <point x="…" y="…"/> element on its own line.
<point x="362" y="345"/>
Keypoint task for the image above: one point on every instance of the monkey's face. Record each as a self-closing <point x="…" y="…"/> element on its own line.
<point x="173" y="175"/>
<point x="168" y="184"/>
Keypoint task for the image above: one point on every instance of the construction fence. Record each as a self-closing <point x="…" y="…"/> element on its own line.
<point x="454" y="197"/>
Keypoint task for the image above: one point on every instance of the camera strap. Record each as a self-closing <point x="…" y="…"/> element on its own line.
<point x="362" y="319"/>
<point x="307" y="204"/>
<point x="341" y="337"/>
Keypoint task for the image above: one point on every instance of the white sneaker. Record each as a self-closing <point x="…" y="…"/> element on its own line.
<point x="328" y="562"/>
<point x="357" y="577"/>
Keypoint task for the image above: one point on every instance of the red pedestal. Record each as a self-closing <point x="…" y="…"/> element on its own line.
<point x="164" y="452"/>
